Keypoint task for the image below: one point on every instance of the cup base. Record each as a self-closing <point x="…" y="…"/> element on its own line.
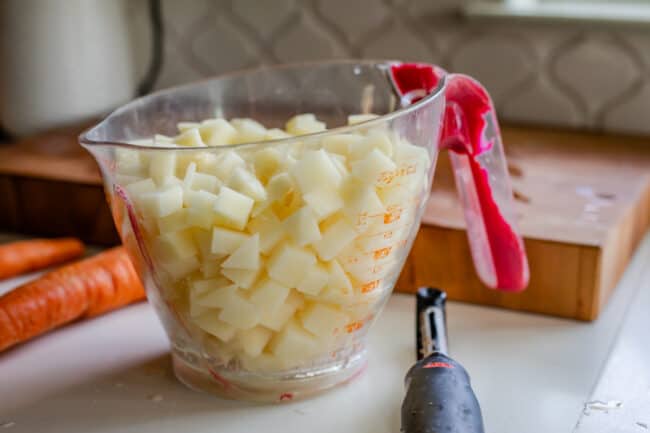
<point x="262" y="388"/>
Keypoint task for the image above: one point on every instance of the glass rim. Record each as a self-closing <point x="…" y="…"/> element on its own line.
<point x="85" y="141"/>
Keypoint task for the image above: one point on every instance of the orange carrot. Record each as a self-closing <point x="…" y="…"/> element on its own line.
<point x="83" y="289"/>
<point x="25" y="256"/>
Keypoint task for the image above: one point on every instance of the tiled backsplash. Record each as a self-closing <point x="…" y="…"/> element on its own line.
<point x="537" y="73"/>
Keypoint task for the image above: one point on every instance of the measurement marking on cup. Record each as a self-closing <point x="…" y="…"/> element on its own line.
<point x="384" y="232"/>
<point x="370" y="286"/>
<point x="381" y="253"/>
<point x="387" y="177"/>
<point x="354" y="326"/>
<point x="393" y="213"/>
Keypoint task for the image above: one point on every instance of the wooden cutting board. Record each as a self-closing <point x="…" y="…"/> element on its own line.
<point x="50" y="186"/>
<point x="582" y="204"/>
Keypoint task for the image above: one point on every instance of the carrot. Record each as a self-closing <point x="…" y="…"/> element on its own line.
<point x="83" y="289"/>
<point x="24" y="256"/>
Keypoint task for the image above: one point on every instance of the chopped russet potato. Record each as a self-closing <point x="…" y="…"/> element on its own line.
<point x="275" y="253"/>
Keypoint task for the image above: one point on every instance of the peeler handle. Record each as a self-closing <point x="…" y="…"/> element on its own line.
<point x="439" y="398"/>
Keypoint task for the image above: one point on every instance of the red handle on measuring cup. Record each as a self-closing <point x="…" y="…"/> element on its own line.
<point x="471" y="134"/>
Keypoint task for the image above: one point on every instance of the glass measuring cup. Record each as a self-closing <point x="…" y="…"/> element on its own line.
<point x="274" y="335"/>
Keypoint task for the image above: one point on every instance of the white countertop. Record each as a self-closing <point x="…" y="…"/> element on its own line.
<point x="531" y="374"/>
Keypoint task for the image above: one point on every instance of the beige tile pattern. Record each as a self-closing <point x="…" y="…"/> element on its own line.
<point x="500" y="61"/>
<point x="545" y="74"/>
<point x="596" y="71"/>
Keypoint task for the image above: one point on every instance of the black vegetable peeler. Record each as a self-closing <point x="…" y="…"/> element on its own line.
<point x="439" y="397"/>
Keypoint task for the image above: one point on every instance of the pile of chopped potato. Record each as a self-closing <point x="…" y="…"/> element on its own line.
<point x="276" y="251"/>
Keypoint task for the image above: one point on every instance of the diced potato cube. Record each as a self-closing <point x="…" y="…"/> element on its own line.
<point x="304" y="124"/>
<point x="246" y="256"/>
<point x="171" y="181"/>
<point x="279" y="186"/>
<point x="210" y="268"/>
<point x="395" y="195"/>
<point x="190" y="171"/>
<point x="179" y="268"/>
<point x="175" y="245"/>
<point x="200" y="219"/>
<point x="198" y="286"/>
<point x="197" y="310"/>
<point x="294" y="344"/>
<point x="338" y="280"/>
<point x="217" y="132"/>
<point x="268" y="295"/>
<point x="372" y="166"/>
<point x="128" y="161"/>
<point x="190" y="138"/>
<point x="323" y="202"/>
<point x="205" y="182"/>
<point x="240" y="313"/>
<point x="203" y="240"/>
<point x="210" y="323"/>
<point x="315" y="170"/>
<point x="276" y="320"/>
<point x="270" y="230"/>
<point x="314" y="281"/>
<point x="289" y="263"/>
<point x="225" y="242"/>
<point x="206" y="162"/>
<point x="374" y="140"/>
<point x="267" y="162"/>
<point x="336" y="237"/>
<point x="353" y="119"/>
<point x="183" y="160"/>
<point x="218" y="297"/>
<point x="245" y="182"/>
<point x="244" y="278"/>
<point x="173" y="222"/>
<point x="200" y="211"/>
<point x="340" y="143"/>
<point x="287" y="205"/>
<point x="248" y="130"/>
<point x="162" y="165"/>
<point x="361" y="200"/>
<point x="141" y="187"/>
<point x="253" y="340"/>
<point x="276" y="134"/>
<point x="232" y="208"/>
<point x="199" y="200"/>
<point x="340" y="164"/>
<point x="323" y="320"/>
<point x="161" y="203"/>
<point x="302" y="227"/>
<point x="225" y="164"/>
<point x="407" y="152"/>
<point x="222" y="351"/>
<point x="199" y="181"/>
